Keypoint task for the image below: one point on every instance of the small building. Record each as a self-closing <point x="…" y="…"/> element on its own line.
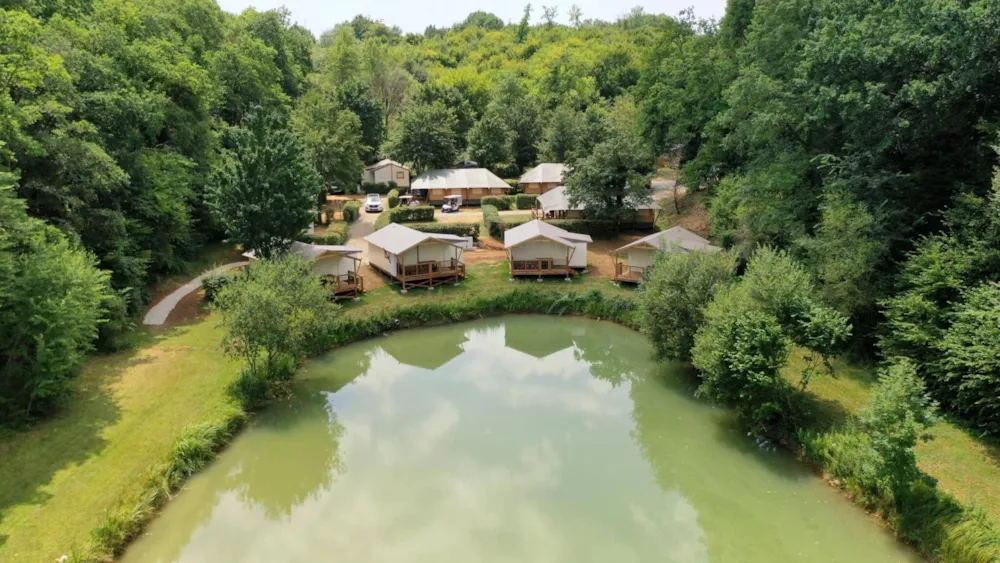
<point x="543" y="178"/>
<point x="537" y="248"/>
<point x="473" y="184"/>
<point x="414" y="258"/>
<point x="336" y="266"/>
<point x="634" y="259"/>
<point x="554" y="204"/>
<point x="385" y="171"/>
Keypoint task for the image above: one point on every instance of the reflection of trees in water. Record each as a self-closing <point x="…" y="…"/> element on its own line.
<point x="295" y="457"/>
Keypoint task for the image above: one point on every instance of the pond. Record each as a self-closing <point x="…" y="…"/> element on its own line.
<point x="523" y="438"/>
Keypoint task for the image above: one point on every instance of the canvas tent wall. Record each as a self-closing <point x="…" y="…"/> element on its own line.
<point x="473" y="184"/>
<point x="414" y="257"/>
<point x="633" y="259"/>
<point x="385" y="171"/>
<point x="536" y="245"/>
<point x="543" y="178"/>
<point x="555" y="204"/>
<point x="326" y="260"/>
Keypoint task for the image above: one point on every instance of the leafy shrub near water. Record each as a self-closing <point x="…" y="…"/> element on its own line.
<point x="424" y="213"/>
<point x="501" y="202"/>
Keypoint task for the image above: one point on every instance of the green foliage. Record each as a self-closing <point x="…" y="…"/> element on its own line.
<point x="265" y="191"/>
<point x="425" y="135"/>
<point x="675" y="295"/>
<point x="423" y="213"/>
<point x="212" y="284"/>
<point x="51" y="297"/>
<point x="971" y="356"/>
<point x="459" y="229"/>
<point x="337" y="233"/>
<point x="382" y="220"/>
<point x="332" y="135"/>
<point x="381" y="188"/>
<point x="500" y="202"/>
<point x="491" y="141"/>
<point x="272" y="317"/>
<point x="393" y="199"/>
<point x="596" y="228"/>
<point x="497" y="224"/>
<point x="351" y="211"/>
<point x="525" y="201"/>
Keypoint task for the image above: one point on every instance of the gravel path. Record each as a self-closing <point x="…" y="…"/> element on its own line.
<point x="157" y="314"/>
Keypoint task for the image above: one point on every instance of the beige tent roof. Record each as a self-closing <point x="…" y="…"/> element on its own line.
<point x="313" y="251"/>
<point x="557" y="200"/>
<point x="383" y="163"/>
<point x="546" y="172"/>
<point x="397" y="239"/>
<point x="458" y="178"/>
<point x="537" y="228"/>
<point x="674" y="239"/>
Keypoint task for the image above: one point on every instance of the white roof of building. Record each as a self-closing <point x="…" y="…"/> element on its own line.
<point x="545" y="173"/>
<point x="557" y="200"/>
<point x="537" y="228"/>
<point x="676" y="239"/>
<point x="458" y="178"/>
<point x="397" y="239"/>
<point x="383" y="163"/>
<point x="312" y="251"/>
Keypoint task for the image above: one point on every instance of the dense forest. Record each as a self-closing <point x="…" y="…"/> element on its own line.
<point x="858" y="138"/>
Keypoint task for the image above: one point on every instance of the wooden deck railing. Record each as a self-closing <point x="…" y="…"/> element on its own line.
<point x="626" y="273"/>
<point x="540" y="266"/>
<point x="345" y="283"/>
<point x="435" y="269"/>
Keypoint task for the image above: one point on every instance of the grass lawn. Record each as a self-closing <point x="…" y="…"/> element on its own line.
<point x="964" y="465"/>
<point x="58" y="479"/>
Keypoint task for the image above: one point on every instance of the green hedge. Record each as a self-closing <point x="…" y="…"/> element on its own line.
<point x="336" y="234"/>
<point x="459" y="229"/>
<point x="597" y="228"/>
<point x="515" y="186"/>
<point x="497" y="224"/>
<point x="525" y="201"/>
<point x="382" y="220"/>
<point x="424" y="213"/>
<point x="381" y="188"/>
<point x="501" y="202"/>
<point x="393" y="198"/>
<point x="351" y="210"/>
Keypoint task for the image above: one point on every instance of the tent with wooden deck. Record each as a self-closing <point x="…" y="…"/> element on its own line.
<point x="555" y="204"/>
<point x="336" y="265"/>
<point x="473" y="184"/>
<point x="543" y="178"/>
<point x="414" y="258"/>
<point x="538" y="248"/>
<point x="634" y="259"/>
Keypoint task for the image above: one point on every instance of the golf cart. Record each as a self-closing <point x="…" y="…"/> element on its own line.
<point x="407" y="201"/>
<point x="452" y="203"/>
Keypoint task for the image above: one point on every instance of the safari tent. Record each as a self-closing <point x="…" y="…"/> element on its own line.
<point x="473" y="184"/>
<point x="555" y="204"/>
<point x="543" y="178"/>
<point x="385" y="171"/>
<point x="414" y="258"/>
<point x="336" y="265"/>
<point x="634" y="259"/>
<point x="538" y="248"/>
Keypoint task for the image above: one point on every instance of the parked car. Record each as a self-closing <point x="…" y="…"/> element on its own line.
<point x="373" y="203"/>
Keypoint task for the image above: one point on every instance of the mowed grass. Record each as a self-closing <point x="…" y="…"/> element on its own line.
<point x="965" y="465"/>
<point x="58" y="479"/>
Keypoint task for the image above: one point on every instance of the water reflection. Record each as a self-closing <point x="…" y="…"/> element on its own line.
<point x="521" y="439"/>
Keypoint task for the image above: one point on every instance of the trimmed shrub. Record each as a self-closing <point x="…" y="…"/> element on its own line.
<point x="424" y="213"/>
<point x="491" y="218"/>
<point x="213" y="284"/>
<point x="515" y="185"/>
<point x="351" y="211"/>
<point x="393" y="198"/>
<point x="459" y="229"/>
<point x="501" y="202"/>
<point x="336" y="234"/>
<point x="382" y="220"/>
<point x="597" y="228"/>
<point x="524" y="201"/>
<point x="378" y="187"/>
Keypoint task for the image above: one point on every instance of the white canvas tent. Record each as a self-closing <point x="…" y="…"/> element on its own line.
<point x="633" y="259"/>
<point x="538" y="248"/>
<point x="555" y="204"/>
<point x="542" y="178"/>
<point x="337" y="265"/>
<point x="416" y="258"/>
<point x="472" y="184"/>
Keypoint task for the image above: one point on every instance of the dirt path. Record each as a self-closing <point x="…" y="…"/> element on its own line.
<point x="364" y="226"/>
<point x="158" y="313"/>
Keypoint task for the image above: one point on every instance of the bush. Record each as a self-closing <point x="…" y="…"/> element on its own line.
<point x="459" y="229"/>
<point x="515" y="185"/>
<point x="393" y="198"/>
<point x="501" y="202"/>
<point x="597" y="228"/>
<point x="213" y="284"/>
<point x="525" y="201"/>
<point x="382" y="220"/>
<point x="496" y="224"/>
<point x="351" y="211"/>
<point x="675" y="295"/>
<point x="378" y="187"/>
<point x="337" y="233"/>
<point x="424" y="213"/>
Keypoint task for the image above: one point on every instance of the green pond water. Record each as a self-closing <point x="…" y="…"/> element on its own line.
<point x="520" y="439"/>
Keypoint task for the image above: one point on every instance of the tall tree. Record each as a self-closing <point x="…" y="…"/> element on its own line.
<point x="333" y="136"/>
<point x="491" y="143"/>
<point x="522" y="28"/>
<point x="424" y="135"/>
<point x="265" y="190"/>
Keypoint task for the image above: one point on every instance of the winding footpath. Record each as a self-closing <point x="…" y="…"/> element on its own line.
<point x="157" y="314"/>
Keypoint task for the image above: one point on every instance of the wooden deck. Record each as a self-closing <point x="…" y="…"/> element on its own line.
<point x="629" y="274"/>
<point x="541" y="267"/>
<point x="345" y="285"/>
<point x="426" y="274"/>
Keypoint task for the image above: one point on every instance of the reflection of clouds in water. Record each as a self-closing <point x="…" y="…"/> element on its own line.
<point x="675" y="529"/>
